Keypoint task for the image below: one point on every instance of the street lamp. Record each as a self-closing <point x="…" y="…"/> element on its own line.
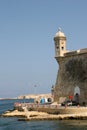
<point x="35" y="89"/>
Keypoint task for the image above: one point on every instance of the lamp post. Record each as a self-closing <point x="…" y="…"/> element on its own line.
<point x="35" y="89"/>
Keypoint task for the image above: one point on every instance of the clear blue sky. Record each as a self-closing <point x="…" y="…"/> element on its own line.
<point x="27" y="28"/>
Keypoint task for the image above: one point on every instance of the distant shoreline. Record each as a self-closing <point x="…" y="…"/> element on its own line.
<point x="33" y="96"/>
<point x="29" y="96"/>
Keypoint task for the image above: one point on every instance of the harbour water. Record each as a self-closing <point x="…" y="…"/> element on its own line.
<point x="12" y="123"/>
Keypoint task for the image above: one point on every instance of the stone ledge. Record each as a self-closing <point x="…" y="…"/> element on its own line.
<point x="35" y="115"/>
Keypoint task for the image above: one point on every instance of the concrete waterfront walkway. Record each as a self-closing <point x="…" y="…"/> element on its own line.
<point x="50" y="108"/>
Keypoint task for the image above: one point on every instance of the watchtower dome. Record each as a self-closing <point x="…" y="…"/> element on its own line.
<point x="60" y="43"/>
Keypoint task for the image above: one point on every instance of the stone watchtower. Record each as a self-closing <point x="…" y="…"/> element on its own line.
<point x="60" y="44"/>
<point x="71" y="82"/>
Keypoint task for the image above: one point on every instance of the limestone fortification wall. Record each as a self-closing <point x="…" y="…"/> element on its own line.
<point x="72" y="72"/>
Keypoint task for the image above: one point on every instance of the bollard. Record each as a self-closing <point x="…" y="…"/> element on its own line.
<point x="78" y="106"/>
<point x="65" y="106"/>
<point x="56" y="106"/>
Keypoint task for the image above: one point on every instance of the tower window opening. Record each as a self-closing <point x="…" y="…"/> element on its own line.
<point x="62" y="48"/>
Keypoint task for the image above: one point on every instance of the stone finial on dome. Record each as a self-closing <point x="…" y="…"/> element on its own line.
<point x="59" y="33"/>
<point x="59" y="29"/>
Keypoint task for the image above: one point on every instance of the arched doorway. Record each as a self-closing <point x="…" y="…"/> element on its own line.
<point x="76" y="94"/>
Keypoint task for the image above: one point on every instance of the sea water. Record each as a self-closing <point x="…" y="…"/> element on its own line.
<point x="12" y="123"/>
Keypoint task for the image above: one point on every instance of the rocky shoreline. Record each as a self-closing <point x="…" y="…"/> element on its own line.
<point x="35" y="115"/>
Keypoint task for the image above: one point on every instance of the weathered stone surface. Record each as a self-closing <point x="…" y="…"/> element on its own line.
<point x="72" y="72"/>
<point x="66" y="113"/>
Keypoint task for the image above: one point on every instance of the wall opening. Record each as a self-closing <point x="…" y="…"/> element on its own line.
<point x="76" y="94"/>
<point x="62" y="48"/>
